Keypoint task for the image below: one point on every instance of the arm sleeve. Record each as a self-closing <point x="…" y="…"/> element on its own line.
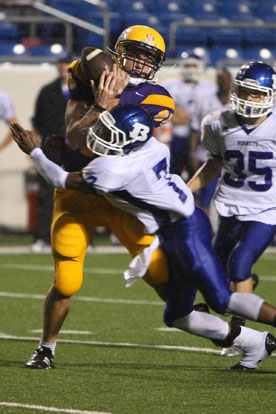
<point x="52" y="172"/>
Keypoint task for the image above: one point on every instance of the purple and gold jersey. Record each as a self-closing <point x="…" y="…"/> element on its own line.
<point x="152" y="97"/>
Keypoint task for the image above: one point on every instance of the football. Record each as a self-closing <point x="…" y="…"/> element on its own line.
<point x="93" y="61"/>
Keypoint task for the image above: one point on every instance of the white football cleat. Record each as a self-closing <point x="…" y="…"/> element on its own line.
<point x="261" y="346"/>
<point x="232" y="351"/>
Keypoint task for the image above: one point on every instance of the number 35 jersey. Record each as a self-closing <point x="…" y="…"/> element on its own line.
<point x="140" y="184"/>
<point x="248" y="178"/>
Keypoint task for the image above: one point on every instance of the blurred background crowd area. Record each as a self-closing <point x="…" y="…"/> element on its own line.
<point x="34" y="34"/>
<point x="237" y="30"/>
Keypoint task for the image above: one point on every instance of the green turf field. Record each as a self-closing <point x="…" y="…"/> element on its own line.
<point x="114" y="354"/>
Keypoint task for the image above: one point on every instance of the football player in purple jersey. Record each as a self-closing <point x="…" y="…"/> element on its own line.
<point x="138" y="54"/>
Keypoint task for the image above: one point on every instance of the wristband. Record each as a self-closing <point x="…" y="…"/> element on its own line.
<point x="98" y="108"/>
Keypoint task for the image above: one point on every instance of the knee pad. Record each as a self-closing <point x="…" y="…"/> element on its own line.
<point x="68" y="276"/>
<point x="69" y="239"/>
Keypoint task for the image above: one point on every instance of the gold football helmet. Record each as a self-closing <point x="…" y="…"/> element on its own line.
<point x="143" y="44"/>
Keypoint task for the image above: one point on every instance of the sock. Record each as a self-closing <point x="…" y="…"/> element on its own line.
<point x="247" y="305"/>
<point x="247" y="337"/>
<point x="203" y="324"/>
<point x="51" y="345"/>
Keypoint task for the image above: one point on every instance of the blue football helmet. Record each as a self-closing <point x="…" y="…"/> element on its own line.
<point x="257" y="76"/>
<point x="191" y="66"/>
<point x="124" y="129"/>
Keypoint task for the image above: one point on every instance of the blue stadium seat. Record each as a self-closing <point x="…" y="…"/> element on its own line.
<point x="44" y="51"/>
<point x="10" y="31"/>
<point x="86" y="38"/>
<point x="265" y="11"/>
<point x="204" y="10"/>
<point x="169" y="6"/>
<point x="12" y="49"/>
<point x="226" y="36"/>
<point x="237" y="11"/>
<point x="260" y="36"/>
<point x="187" y="38"/>
<point x="189" y="34"/>
<point x="65" y="6"/>
<point x="259" y="53"/>
<point x="228" y="54"/>
<point x="203" y="52"/>
<point x="145" y="19"/>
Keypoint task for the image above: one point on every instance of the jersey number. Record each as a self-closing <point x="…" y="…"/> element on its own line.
<point x="161" y="167"/>
<point x="239" y="169"/>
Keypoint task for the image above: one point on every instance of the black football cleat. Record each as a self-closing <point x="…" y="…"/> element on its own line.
<point x="239" y="367"/>
<point x="253" y="355"/>
<point x="42" y="358"/>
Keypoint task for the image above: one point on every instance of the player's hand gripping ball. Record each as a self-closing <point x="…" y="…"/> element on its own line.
<point x="93" y="62"/>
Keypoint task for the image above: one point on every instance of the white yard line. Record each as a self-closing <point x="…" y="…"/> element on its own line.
<point x="51" y="409"/>
<point x="45" y="268"/>
<point x="96" y="250"/>
<point x="101" y="271"/>
<point x="115" y="344"/>
<point x="84" y="299"/>
<point x="65" y="331"/>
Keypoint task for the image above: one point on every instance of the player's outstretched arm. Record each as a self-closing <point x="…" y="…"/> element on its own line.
<point x="28" y="142"/>
<point x="25" y="139"/>
<point x="205" y="174"/>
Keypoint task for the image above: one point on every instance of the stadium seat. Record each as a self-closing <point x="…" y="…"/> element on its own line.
<point x="188" y="34"/>
<point x="145" y="19"/>
<point x="168" y="6"/>
<point x="44" y="51"/>
<point x="65" y="6"/>
<point x="225" y="36"/>
<point x="187" y="38"/>
<point x="9" y="31"/>
<point x="229" y="55"/>
<point x="237" y="11"/>
<point x="203" y="10"/>
<point x="203" y="52"/>
<point x="12" y="49"/>
<point x="265" y="11"/>
<point x="259" y="53"/>
<point x="260" y="37"/>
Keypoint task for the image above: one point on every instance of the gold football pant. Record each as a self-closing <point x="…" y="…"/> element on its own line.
<point x="75" y="216"/>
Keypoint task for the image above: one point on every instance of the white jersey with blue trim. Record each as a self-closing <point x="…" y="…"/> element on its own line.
<point x="187" y="96"/>
<point x="247" y="186"/>
<point x="140" y="184"/>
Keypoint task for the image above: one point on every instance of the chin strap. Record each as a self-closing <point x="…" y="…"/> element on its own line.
<point x="136" y="81"/>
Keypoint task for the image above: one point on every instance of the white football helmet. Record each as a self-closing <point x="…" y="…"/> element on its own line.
<point x="191" y="67"/>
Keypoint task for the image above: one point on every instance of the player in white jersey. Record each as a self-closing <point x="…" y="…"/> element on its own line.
<point x="132" y="171"/>
<point x="187" y="92"/>
<point x="241" y="144"/>
<point x="7" y="113"/>
<point x="198" y="156"/>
